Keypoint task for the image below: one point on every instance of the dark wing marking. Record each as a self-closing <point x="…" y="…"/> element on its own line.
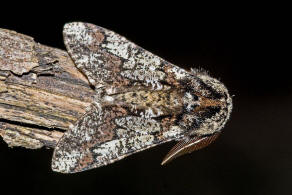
<point x="107" y="58"/>
<point x="188" y="146"/>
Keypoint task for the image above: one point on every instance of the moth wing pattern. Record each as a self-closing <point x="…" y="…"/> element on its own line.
<point x="72" y="153"/>
<point x="186" y="146"/>
<point x="101" y="136"/>
<point x="109" y="59"/>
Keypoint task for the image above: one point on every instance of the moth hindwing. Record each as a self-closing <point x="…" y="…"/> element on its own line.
<point x="141" y="101"/>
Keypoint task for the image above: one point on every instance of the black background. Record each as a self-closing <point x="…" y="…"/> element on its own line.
<point x="244" y="49"/>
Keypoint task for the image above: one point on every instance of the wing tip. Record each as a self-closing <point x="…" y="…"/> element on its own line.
<point x="62" y="167"/>
<point x="63" y="162"/>
<point x="71" y="24"/>
<point x="74" y="27"/>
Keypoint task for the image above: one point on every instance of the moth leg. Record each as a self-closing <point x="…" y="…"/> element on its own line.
<point x="186" y="146"/>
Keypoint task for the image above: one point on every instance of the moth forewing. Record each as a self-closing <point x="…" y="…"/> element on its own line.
<point x="141" y="101"/>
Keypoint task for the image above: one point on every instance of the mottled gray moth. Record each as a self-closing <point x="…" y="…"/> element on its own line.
<point x="141" y="101"/>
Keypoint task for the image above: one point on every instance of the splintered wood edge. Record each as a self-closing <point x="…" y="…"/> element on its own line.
<point x="41" y="95"/>
<point x="30" y="138"/>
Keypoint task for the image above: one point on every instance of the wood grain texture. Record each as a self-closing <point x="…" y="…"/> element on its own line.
<point x="41" y="92"/>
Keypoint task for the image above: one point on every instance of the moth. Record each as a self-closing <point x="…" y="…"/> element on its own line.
<point x="141" y="101"/>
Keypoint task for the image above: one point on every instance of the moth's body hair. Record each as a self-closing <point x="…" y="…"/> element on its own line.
<point x="141" y="101"/>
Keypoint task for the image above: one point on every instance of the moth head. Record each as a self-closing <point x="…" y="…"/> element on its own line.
<point x="206" y="108"/>
<point x="207" y="105"/>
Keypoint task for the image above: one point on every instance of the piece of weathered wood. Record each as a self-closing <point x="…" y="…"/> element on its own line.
<point x="41" y="92"/>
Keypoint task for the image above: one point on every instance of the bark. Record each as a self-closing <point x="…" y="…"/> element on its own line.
<point x="42" y="93"/>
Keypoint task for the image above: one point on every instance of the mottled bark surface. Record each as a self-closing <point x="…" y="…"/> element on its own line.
<point x="41" y="92"/>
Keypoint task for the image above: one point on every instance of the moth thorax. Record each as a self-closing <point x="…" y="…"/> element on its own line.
<point x="208" y="107"/>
